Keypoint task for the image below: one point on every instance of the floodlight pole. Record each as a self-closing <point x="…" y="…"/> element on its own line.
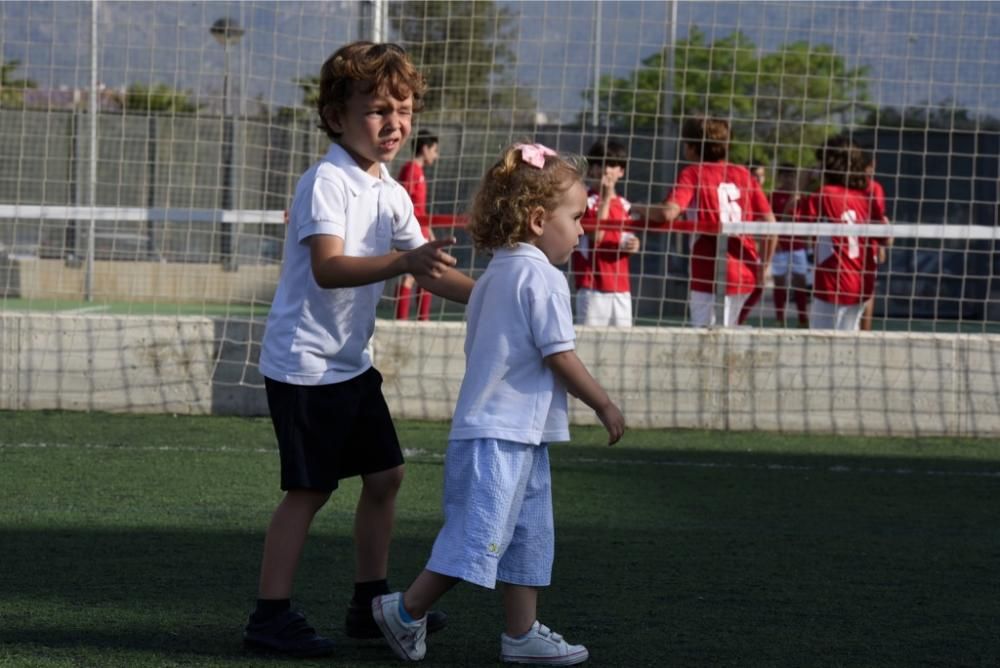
<point x="226" y="31"/>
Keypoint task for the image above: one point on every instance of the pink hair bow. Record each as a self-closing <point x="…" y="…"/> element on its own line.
<point x="534" y="154"/>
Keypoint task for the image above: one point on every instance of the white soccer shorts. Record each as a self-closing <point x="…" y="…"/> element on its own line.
<point x="702" y="308"/>
<point x="603" y="309"/>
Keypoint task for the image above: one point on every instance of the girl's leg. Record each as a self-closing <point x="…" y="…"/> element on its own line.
<point x="520" y="605"/>
<point x="800" y="290"/>
<point x="373" y="520"/>
<point x="425" y="592"/>
<point x="286" y="536"/>
<point x="404" y="289"/>
<point x="424" y="304"/>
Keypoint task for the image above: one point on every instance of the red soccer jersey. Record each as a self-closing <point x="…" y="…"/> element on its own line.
<point x="840" y="261"/>
<point x="722" y="193"/>
<point x="602" y="266"/>
<point x="411" y="177"/>
<point x="779" y="200"/>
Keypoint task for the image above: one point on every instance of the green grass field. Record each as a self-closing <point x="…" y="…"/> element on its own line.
<point x="131" y="540"/>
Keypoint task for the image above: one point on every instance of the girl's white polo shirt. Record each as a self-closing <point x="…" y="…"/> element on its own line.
<point x="518" y="314"/>
<point x="317" y="336"/>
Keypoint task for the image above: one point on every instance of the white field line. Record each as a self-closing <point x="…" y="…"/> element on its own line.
<point x="87" y="309"/>
<point x="421" y="454"/>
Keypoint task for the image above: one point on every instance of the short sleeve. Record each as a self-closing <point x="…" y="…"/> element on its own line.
<point x="551" y="319"/>
<point x="406" y="234"/>
<point x="327" y="213"/>
<point x="683" y="192"/>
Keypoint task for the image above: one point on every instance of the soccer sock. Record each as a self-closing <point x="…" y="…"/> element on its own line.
<point x="364" y="592"/>
<point x="425" y="305"/>
<point x="403" y="614"/>
<point x="780" y="299"/>
<point x="403" y="302"/>
<point x="749" y="304"/>
<point x="270" y="608"/>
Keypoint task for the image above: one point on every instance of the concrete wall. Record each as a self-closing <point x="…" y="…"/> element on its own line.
<point x="167" y="282"/>
<point x="901" y="384"/>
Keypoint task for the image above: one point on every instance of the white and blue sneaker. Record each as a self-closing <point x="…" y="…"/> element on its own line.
<point x="406" y="639"/>
<point x="541" y="646"/>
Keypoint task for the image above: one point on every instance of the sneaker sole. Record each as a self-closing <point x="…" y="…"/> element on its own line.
<point x="374" y="632"/>
<point x="568" y="660"/>
<point x="390" y="639"/>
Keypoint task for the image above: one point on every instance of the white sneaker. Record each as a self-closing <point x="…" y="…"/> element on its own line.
<point x="407" y="640"/>
<point x="541" y="645"/>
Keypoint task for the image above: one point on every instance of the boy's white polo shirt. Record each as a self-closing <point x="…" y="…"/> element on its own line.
<point x="317" y="336"/>
<point x="518" y="314"/>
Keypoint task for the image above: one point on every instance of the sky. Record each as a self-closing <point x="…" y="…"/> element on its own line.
<point x="917" y="52"/>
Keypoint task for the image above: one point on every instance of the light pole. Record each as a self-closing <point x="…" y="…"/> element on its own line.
<point x="226" y="31"/>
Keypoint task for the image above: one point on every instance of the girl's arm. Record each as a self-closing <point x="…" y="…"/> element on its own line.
<point x="570" y="370"/>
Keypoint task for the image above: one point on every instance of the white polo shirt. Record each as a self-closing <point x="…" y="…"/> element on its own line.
<point x="317" y="336"/>
<point x="519" y="313"/>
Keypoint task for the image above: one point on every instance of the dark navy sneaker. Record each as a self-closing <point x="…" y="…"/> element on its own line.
<point x="360" y="622"/>
<point x="288" y="633"/>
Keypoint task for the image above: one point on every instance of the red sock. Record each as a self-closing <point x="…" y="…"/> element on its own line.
<point x="802" y="302"/>
<point x="403" y="302"/>
<point x="424" y="300"/>
<point x="780" y="299"/>
<point x="750" y="303"/>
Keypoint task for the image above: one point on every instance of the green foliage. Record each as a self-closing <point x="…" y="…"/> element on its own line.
<point x="781" y="104"/>
<point x="463" y="50"/>
<point x="11" y="89"/>
<point x="159" y="98"/>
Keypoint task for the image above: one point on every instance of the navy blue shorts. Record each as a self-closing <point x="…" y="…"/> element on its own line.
<point x="329" y="432"/>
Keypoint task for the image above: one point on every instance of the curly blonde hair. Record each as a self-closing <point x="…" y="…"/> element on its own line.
<point x="511" y="189"/>
<point x="383" y="67"/>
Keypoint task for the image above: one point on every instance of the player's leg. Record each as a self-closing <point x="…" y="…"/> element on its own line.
<point x="701" y="306"/>
<point x="424" y="304"/>
<point x="373" y="522"/>
<point x="822" y="315"/>
<point x="309" y="476"/>
<point x="621" y="309"/>
<point x="779" y="272"/>
<point x="732" y="308"/>
<point x="801" y="284"/>
<point x="404" y="292"/>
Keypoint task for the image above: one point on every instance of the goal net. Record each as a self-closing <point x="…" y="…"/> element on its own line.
<point x="151" y="151"/>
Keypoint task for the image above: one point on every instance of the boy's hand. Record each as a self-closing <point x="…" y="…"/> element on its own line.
<point x="613" y="421"/>
<point x="429" y="259"/>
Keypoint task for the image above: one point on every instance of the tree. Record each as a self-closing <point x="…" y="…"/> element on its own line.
<point x="11" y="89"/>
<point x="944" y="116"/>
<point x="463" y="50"/>
<point x="781" y="104"/>
<point x="158" y="98"/>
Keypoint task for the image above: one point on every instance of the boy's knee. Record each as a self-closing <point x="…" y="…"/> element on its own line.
<point x="384" y="484"/>
<point x="306" y="498"/>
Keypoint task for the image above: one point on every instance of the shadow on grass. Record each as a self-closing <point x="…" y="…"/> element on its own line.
<point x="680" y="558"/>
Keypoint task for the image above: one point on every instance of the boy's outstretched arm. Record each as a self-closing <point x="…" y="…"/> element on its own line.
<point x="568" y="367"/>
<point x="332" y="269"/>
<point x="453" y="285"/>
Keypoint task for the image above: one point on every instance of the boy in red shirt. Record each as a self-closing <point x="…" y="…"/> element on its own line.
<point x="790" y="263"/>
<point x="411" y="177"/>
<point x="843" y="199"/>
<point x="601" y="262"/>
<point x="722" y="192"/>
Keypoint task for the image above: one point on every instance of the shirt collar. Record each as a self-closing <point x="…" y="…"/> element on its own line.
<point x="522" y="250"/>
<point x="357" y="179"/>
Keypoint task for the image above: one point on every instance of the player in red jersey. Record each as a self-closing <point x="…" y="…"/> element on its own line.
<point x="841" y="200"/>
<point x="601" y="262"/>
<point x="411" y="177"/>
<point x="720" y="192"/>
<point x="877" y="246"/>
<point x="790" y="263"/>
